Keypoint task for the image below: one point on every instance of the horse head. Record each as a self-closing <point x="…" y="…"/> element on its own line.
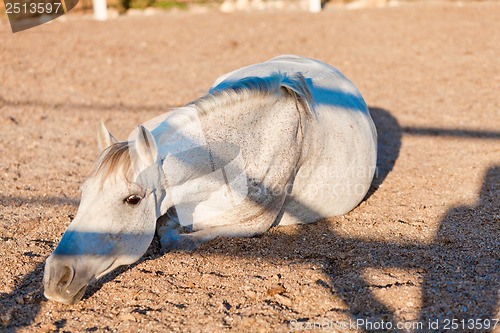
<point x="115" y="222"/>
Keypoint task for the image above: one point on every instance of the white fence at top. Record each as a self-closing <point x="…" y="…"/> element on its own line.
<point x="101" y="10"/>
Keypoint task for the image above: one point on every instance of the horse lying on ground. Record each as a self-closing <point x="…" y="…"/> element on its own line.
<point x="283" y="142"/>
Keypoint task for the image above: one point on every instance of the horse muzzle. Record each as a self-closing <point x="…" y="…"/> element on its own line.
<point x="64" y="282"/>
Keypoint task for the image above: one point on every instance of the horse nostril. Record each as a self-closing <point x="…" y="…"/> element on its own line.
<point x="66" y="277"/>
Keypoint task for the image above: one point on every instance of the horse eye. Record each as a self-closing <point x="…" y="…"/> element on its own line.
<point x="133" y="199"/>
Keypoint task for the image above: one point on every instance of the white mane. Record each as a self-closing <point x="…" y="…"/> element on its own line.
<point x="271" y="86"/>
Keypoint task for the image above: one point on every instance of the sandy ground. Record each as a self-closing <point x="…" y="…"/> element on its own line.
<point x="422" y="249"/>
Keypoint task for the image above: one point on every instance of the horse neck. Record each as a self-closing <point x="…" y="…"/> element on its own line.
<point x="177" y="131"/>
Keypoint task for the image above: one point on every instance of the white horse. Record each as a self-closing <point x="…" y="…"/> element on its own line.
<point x="283" y="142"/>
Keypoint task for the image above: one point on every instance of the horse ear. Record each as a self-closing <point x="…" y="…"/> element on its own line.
<point x="104" y="138"/>
<point x="146" y="146"/>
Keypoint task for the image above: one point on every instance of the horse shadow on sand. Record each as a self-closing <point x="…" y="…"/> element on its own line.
<point x="460" y="267"/>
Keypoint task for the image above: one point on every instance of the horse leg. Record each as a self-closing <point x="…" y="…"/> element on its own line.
<point x="167" y="228"/>
<point x="187" y="242"/>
